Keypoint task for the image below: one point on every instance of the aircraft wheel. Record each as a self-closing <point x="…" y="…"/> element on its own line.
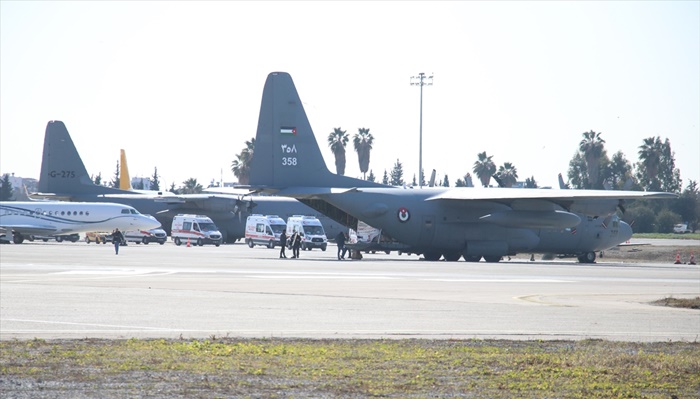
<point x="588" y="257"/>
<point x="87" y="240"/>
<point x="177" y="241"/>
<point x="58" y="239"/>
<point x="472" y="258"/>
<point x="432" y="255"/>
<point x="492" y="258"/>
<point x="47" y="240"/>
<point x="17" y="238"/>
<point x="250" y="243"/>
<point x="200" y="242"/>
<point x="388" y="252"/>
<point x="452" y="256"/>
<point x="30" y="238"/>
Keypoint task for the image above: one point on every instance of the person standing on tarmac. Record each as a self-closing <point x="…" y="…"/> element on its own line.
<point x="117" y="238"/>
<point x="340" y="241"/>
<point x="296" y="244"/>
<point x="283" y="244"/>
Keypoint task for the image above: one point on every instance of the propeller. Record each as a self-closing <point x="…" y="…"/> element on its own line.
<point x="242" y="204"/>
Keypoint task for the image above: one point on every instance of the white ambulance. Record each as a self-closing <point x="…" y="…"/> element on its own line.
<point x="311" y="229"/>
<point x="264" y="230"/>
<point x="198" y="229"/>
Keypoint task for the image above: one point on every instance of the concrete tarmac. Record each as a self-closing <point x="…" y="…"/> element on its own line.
<point x="78" y="290"/>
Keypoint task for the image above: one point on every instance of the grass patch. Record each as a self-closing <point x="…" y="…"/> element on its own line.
<point x="352" y="368"/>
<point x="688" y="303"/>
<point x="687" y="236"/>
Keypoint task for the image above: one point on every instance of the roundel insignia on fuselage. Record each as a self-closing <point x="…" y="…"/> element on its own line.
<point x="403" y="215"/>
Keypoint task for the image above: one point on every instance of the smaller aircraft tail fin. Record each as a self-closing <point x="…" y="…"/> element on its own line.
<point x="562" y="185"/>
<point x="62" y="170"/>
<point x="124" y="178"/>
<point x="286" y="151"/>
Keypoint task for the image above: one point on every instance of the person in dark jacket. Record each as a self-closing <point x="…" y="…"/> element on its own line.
<point x="283" y="243"/>
<point x="340" y="240"/>
<point x="117" y="238"/>
<point x="296" y="244"/>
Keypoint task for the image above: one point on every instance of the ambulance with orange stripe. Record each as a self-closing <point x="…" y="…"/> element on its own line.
<point x="264" y="230"/>
<point x="198" y="229"/>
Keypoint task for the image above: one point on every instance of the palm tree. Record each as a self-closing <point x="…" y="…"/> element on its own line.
<point x="508" y="174"/>
<point x="241" y="165"/>
<point x="484" y="168"/>
<point x="650" y="156"/>
<point x="337" y="140"/>
<point x="190" y="186"/>
<point x="592" y="148"/>
<point x="362" y="141"/>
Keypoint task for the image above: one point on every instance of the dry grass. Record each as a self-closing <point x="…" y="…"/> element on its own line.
<point x="688" y="303"/>
<point x="348" y="368"/>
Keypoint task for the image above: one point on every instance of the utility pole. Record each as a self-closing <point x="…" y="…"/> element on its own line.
<point x="421" y="80"/>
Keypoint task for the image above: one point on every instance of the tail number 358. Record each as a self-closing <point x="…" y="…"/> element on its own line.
<point x="289" y="161"/>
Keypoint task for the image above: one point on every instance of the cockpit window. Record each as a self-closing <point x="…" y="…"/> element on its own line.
<point x="125" y="211"/>
<point x="134" y="212"/>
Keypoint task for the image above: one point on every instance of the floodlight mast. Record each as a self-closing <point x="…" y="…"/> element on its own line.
<point x="421" y="80"/>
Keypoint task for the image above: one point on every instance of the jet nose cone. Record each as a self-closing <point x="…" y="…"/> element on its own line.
<point x="625" y="231"/>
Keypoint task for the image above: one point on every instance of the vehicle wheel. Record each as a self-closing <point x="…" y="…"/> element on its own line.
<point x="17" y="238"/>
<point x="217" y="243"/>
<point x="47" y="240"/>
<point x="177" y="241"/>
<point x="200" y="242"/>
<point x="271" y="244"/>
<point x="492" y="258"/>
<point x="144" y="240"/>
<point x="87" y="240"/>
<point x="432" y="255"/>
<point x="74" y="239"/>
<point x="58" y="239"/>
<point x="161" y="242"/>
<point x="30" y="238"/>
<point x="323" y="248"/>
<point x="250" y="243"/>
<point x="400" y="253"/>
<point x="472" y="258"/>
<point x="387" y="252"/>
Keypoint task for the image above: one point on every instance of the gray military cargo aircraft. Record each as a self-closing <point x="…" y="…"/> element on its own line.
<point x="447" y="223"/>
<point x="64" y="177"/>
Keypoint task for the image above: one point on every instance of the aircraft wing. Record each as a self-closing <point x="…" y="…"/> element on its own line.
<point x="31" y="229"/>
<point x="586" y="202"/>
<point x="506" y="194"/>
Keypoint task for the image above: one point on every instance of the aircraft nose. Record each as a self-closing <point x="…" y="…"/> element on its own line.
<point x="625" y="231"/>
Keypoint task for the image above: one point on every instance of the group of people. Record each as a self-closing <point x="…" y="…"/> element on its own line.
<point x="297" y="238"/>
<point x="295" y="242"/>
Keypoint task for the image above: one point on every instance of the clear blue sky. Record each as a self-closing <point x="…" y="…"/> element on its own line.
<point x="178" y="84"/>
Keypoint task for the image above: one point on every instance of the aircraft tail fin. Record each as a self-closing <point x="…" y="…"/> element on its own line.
<point x="124" y="178"/>
<point x="62" y="170"/>
<point x="286" y="151"/>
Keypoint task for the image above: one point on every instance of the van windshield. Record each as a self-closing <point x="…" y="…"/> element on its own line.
<point x="208" y="226"/>
<point x="278" y="228"/>
<point x="314" y="230"/>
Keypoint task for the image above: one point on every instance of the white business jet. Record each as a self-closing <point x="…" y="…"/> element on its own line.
<point x="23" y="219"/>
